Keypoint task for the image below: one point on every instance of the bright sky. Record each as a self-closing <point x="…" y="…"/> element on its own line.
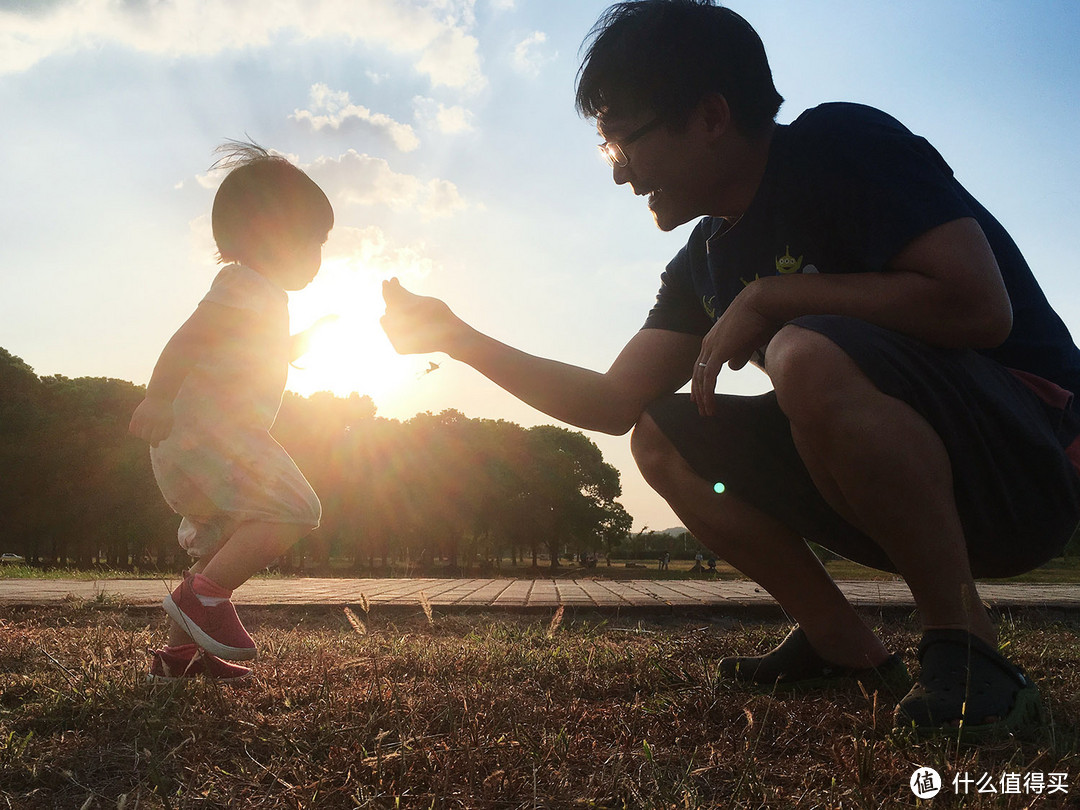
<point x="445" y="135"/>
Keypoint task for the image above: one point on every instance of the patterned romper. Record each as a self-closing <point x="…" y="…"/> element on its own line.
<point x="220" y="467"/>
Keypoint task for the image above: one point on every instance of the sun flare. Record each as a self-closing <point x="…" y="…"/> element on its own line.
<point x="351" y="353"/>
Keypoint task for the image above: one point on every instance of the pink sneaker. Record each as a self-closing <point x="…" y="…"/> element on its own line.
<point x="216" y="629"/>
<point x="184" y="663"/>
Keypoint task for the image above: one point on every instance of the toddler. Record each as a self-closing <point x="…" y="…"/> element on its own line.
<point x="212" y="399"/>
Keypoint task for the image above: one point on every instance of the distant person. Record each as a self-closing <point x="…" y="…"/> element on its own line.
<point x="698" y="558"/>
<point x="212" y="399"/>
<point x="922" y="419"/>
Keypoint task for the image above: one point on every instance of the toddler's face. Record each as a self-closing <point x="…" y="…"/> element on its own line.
<point x="301" y="262"/>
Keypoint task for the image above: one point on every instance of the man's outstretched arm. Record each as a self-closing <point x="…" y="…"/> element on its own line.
<point x="653" y="363"/>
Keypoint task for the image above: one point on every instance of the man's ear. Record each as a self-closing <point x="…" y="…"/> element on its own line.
<point x="715" y="113"/>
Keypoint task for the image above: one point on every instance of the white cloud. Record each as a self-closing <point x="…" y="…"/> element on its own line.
<point x="502" y="5"/>
<point x="360" y="247"/>
<point x="212" y="178"/>
<point x="441" y="198"/>
<point x="334" y="109"/>
<point x="435" y="32"/>
<point x="369" y="249"/>
<point x="447" y="120"/>
<point x="451" y="59"/>
<point x="529" y="56"/>
<point x="201" y="241"/>
<point x="460" y="12"/>
<point x="358" y="179"/>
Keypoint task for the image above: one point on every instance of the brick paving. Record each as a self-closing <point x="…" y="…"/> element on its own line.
<point x="521" y="594"/>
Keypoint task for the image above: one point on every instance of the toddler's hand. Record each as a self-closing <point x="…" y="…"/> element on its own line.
<point x="301" y="341"/>
<point x="152" y="421"/>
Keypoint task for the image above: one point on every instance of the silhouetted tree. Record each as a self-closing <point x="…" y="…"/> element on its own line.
<point x="568" y="490"/>
<point x="77" y="488"/>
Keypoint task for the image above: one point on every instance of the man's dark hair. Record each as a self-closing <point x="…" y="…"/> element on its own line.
<point x="667" y="55"/>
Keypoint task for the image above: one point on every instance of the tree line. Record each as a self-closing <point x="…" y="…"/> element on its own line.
<point x="78" y="490"/>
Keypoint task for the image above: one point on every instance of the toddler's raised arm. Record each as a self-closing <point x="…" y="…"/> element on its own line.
<point x="301" y="341"/>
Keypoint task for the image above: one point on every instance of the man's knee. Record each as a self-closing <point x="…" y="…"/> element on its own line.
<point x="809" y="372"/>
<point x="646" y="443"/>
<point x="652" y="450"/>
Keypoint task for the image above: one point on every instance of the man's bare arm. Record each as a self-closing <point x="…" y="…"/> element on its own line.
<point x="944" y="288"/>
<point x="653" y="363"/>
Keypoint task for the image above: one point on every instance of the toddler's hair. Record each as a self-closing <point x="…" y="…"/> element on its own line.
<point x="264" y="198"/>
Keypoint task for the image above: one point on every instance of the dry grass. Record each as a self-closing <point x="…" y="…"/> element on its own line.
<point x="476" y="711"/>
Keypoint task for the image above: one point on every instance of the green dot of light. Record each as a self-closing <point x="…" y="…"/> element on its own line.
<point x="718" y="488"/>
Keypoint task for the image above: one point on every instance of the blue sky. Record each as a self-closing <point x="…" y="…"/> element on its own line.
<point x="444" y="133"/>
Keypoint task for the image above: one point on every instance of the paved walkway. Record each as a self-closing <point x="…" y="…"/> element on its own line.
<point x="519" y="594"/>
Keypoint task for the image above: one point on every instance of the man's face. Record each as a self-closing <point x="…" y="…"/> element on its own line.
<point x="670" y="167"/>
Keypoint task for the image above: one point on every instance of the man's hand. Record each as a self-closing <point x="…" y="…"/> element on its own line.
<point x="734" y="338"/>
<point x="152" y="421"/>
<point x="655" y="362"/>
<point x="417" y="324"/>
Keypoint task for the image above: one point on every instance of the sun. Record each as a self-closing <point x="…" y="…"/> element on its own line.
<point x="351" y="353"/>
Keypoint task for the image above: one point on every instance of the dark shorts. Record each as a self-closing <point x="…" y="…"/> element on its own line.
<point x="1017" y="493"/>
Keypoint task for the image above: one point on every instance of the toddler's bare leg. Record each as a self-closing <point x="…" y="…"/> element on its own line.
<point x="250" y="549"/>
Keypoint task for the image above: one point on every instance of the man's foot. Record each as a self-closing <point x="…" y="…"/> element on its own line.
<point x="216" y="628"/>
<point x="184" y="663"/>
<point x="967" y="687"/>
<point x="795" y="666"/>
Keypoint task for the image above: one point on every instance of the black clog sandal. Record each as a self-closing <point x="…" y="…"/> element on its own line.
<point x="966" y="687"/>
<point x="795" y="666"/>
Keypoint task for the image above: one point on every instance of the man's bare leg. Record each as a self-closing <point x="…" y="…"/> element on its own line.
<point x="881" y="466"/>
<point x="761" y="548"/>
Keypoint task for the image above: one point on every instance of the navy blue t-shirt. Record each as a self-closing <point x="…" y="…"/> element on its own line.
<point x="845" y="189"/>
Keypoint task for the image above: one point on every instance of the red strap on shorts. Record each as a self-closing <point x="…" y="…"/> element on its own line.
<point x="1056" y="397"/>
<point x="1051" y="393"/>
